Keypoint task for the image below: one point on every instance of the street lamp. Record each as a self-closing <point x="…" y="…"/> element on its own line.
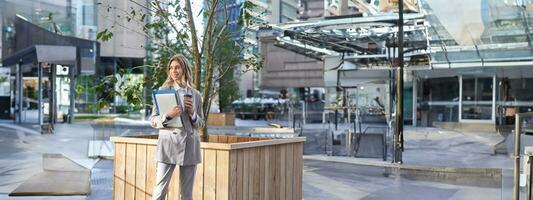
<point x="398" y="130"/>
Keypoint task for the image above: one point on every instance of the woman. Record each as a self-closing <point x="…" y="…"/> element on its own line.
<point x="178" y="146"/>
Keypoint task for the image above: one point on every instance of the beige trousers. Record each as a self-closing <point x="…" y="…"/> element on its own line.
<point x="163" y="175"/>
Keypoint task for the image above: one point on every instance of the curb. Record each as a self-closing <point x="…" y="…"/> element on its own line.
<point x="484" y="177"/>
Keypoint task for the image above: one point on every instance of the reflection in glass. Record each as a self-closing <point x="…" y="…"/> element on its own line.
<point x="477" y="98"/>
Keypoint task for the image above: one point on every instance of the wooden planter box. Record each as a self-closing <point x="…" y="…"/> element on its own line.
<point x="221" y="119"/>
<point x="232" y="167"/>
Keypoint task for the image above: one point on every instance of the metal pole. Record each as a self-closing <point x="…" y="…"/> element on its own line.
<point x="529" y="181"/>
<point x="40" y="94"/>
<point x="52" y="96"/>
<point x="398" y="135"/>
<point x="304" y="112"/>
<point x="516" y="187"/>
<point x="72" y="93"/>
<point x="350" y="138"/>
<point x="19" y="98"/>
<point x="414" y="105"/>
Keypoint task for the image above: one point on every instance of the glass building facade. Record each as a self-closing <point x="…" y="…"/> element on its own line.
<point x="480" y="66"/>
<point x="75" y="18"/>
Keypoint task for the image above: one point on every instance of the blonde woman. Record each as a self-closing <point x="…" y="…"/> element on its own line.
<point x="178" y="146"/>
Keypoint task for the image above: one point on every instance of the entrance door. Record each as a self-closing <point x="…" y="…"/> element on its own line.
<point x="477" y="98"/>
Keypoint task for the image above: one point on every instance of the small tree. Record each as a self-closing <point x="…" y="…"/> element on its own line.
<point x="170" y="27"/>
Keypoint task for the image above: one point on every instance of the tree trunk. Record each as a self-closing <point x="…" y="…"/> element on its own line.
<point x="197" y="58"/>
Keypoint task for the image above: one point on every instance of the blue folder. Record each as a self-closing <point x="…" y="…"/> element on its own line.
<point x="166" y="99"/>
<point x="163" y="92"/>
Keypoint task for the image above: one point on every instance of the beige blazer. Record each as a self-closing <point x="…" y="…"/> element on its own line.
<point x="180" y="146"/>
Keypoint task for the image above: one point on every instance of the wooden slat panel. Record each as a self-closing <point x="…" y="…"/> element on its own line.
<point x="257" y="171"/>
<point x="283" y="171"/>
<point x="129" y="191"/>
<point x="213" y="138"/>
<point x="271" y="190"/>
<point x="223" y="139"/>
<point x="246" y="174"/>
<point x="251" y="173"/>
<point x="133" y="140"/>
<point x="140" y="175"/>
<point x="232" y="139"/>
<point x="118" y="189"/>
<point x="269" y="142"/>
<point x="277" y="163"/>
<point x="243" y="139"/>
<point x="290" y="171"/>
<point x="265" y="176"/>
<point x="119" y="171"/>
<point x="233" y="156"/>
<point x="199" y="179"/>
<point x="240" y="174"/>
<point x="150" y="170"/>
<point x="131" y="152"/>
<point x="222" y="184"/>
<point x="298" y="170"/>
<point x="262" y="178"/>
<point x="210" y="174"/>
<point x="120" y="161"/>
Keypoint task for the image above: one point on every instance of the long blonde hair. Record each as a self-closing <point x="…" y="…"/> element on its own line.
<point x="186" y="78"/>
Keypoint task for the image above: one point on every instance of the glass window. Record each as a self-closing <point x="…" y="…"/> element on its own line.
<point x="441" y="89"/>
<point x="477" y="98"/>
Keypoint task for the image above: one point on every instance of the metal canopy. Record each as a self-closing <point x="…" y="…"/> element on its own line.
<point x="33" y="44"/>
<point x="56" y="54"/>
<point x="351" y="78"/>
<point x="368" y="37"/>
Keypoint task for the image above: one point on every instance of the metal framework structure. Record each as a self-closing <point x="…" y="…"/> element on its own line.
<point x="364" y="39"/>
<point x="373" y="40"/>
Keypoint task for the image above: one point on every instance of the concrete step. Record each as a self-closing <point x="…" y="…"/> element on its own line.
<point x="469" y="127"/>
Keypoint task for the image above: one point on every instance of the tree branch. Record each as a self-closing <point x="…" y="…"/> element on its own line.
<point x="162" y="13"/>
<point x="224" y="71"/>
<point x="151" y="37"/>
<point x="194" y="40"/>
<point x="223" y="28"/>
<point x="210" y="23"/>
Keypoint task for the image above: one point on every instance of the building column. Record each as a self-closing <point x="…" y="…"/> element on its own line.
<point x="415" y="94"/>
<point x="40" y="93"/>
<point x="460" y="98"/>
<point x="493" y="118"/>
<point x="52" y="96"/>
<point x="72" y="90"/>
<point x="276" y="12"/>
<point x="18" y="98"/>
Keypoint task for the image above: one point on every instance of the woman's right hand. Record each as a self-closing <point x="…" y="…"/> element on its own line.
<point x="174" y="112"/>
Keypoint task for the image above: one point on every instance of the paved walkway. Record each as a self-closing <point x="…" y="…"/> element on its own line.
<point x="438" y="147"/>
<point x="21" y="152"/>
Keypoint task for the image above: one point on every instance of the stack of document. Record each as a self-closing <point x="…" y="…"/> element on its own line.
<point x="164" y="101"/>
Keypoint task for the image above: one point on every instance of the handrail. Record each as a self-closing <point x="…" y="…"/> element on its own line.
<point x="516" y="156"/>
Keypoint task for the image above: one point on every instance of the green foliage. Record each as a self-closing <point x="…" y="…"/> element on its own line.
<point x="104" y="35"/>
<point x="168" y="30"/>
<point x="228" y="91"/>
<point x="226" y="58"/>
<point x="3" y="79"/>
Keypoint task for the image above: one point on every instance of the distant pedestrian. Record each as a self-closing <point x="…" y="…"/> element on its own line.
<point x="178" y="146"/>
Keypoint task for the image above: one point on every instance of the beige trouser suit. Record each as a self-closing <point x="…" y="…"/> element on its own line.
<point x="178" y="146"/>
